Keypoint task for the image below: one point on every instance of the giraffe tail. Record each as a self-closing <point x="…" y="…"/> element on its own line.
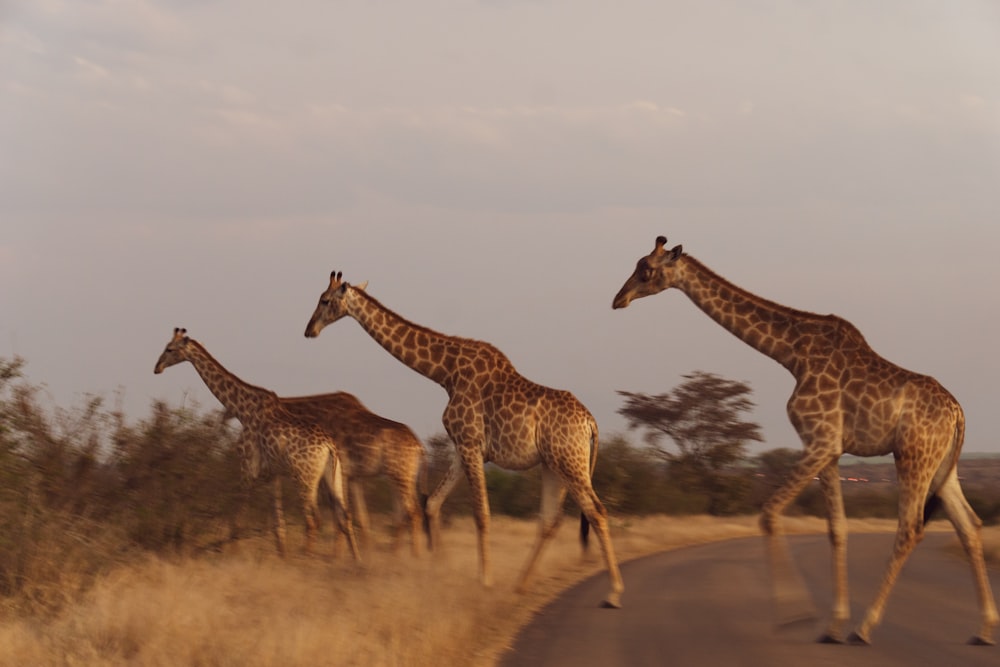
<point x="584" y="523"/>
<point x="934" y="500"/>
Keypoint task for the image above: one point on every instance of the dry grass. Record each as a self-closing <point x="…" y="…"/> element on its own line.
<point x="249" y="608"/>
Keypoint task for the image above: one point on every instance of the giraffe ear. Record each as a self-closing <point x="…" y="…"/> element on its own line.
<point x="676" y="252"/>
<point x="361" y="286"/>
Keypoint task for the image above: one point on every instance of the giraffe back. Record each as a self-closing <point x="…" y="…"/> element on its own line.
<point x="369" y="443"/>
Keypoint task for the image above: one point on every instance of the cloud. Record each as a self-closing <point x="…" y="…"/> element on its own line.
<point x="91" y="72"/>
<point x="132" y="106"/>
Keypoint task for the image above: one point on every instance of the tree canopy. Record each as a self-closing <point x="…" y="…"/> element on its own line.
<point x="704" y="417"/>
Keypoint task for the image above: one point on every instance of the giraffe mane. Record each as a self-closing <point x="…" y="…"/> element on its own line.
<point x="427" y="330"/>
<point x="208" y="354"/>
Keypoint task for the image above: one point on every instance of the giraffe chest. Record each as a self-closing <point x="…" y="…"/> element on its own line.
<point x="854" y="408"/>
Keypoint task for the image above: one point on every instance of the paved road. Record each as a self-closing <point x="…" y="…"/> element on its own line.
<point x="710" y="605"/>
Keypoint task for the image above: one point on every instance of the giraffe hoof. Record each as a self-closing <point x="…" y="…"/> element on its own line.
<point x="612" y="602"/>
<point x="827" y="638"/>
<point x="981" y="641"/>
<point x="857" y="640"/>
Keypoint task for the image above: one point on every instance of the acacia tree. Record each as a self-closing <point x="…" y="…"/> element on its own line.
<point x="704" y="417"/>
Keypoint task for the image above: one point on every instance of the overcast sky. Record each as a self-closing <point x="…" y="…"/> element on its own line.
<point x="494" y="169"/>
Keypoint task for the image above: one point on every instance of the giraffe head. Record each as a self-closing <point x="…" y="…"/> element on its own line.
<point x="175" y="352"/>
<point x="653" y="273"/>
<point x="332" y="304"/>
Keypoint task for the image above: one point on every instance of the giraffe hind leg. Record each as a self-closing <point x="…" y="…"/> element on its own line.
<point x="913" y="492"/>
<point x="279" y="516"/>
<point x="553" y="496"/>
<point x="597" y="516"/>
<point x="359" y="510"/>
<point x="336" y="486"/>
<point x="968" y="526"/>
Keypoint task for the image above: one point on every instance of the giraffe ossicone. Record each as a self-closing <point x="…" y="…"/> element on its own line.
<point x="847" y="399"/>
<point x="494" y="414"/>
<point x="286" y="444"/>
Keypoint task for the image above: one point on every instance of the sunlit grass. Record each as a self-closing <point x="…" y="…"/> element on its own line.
<point x="248" y="607"/>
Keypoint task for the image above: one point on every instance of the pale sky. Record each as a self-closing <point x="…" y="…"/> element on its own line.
<point x="494" y="169"/>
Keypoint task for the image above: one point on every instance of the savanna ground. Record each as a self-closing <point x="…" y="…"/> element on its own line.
<point x="246" y="606"/>
<point x="113" y="532"/>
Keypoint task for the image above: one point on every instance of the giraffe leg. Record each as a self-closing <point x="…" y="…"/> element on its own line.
<point x="359" y="509"/>
<point x="837" y="525"/>
<point x="791" y="599"/>
<point x="249" y="456"/>
<point x="236" y="526"/>
<point x="432" y="511"/>
<point x="592" y="507"/>
<point x="279" y="516"/>
<point x="472" y="463"/>
<point x="912" y="494"/>
<point x="336" y="484"/>
<point x="968" y="527"/>
<point x="553" y="495"/>
<point x="309" y="512"/>
<point x="410" y="516"/>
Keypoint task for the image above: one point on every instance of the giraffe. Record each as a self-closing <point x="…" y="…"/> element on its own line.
<point x="284" y="443"/>
<point x="252" y="469"/>
<point x="494" y="414"/>
<point x="847" y="399"/>
<point x="369" y="445"/>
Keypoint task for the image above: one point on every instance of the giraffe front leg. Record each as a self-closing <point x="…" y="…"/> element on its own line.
<point x="473" y="465"/>
<point x="432" y="510"/>
<point x="792" y="602"/>
<point x="837" y="523"/>
<point x="236" y="526"/>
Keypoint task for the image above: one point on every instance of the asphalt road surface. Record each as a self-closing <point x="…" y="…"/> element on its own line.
<point x="711" y="605"/>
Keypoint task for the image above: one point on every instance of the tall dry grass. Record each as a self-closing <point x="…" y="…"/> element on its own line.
<point x="250" y="608"/>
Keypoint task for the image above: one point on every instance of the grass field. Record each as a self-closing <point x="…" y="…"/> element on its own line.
<point x="247" y="607"/>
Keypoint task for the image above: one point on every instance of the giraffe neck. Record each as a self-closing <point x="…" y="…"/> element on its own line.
<point x="768" y="327"/>
<point x="245" y="401"/>
<point x="432" y="354"/>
